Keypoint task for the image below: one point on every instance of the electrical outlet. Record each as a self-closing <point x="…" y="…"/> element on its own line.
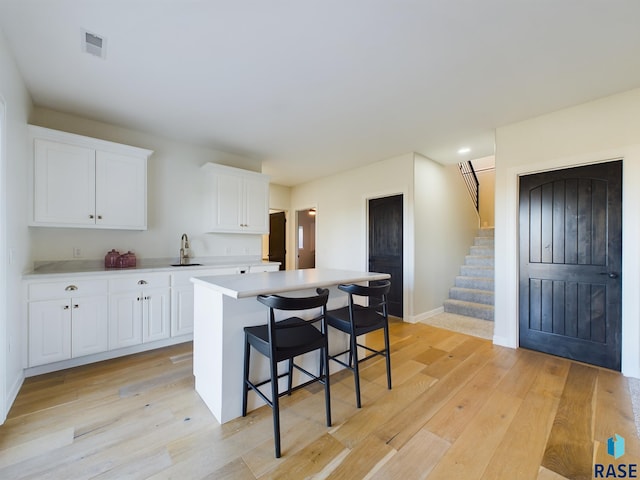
<point x="77" y="253"/>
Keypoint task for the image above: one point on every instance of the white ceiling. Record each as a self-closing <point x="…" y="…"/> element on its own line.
<point x="311" y="87"/>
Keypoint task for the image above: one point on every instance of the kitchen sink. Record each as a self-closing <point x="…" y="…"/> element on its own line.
<point x="186" y="264"/>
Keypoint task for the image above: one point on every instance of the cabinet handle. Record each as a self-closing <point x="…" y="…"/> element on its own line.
<point x="71" y="288"/>
<point x="90" y="216"/>
<point x="142" y="282"/>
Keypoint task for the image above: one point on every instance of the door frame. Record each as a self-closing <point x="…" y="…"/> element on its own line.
<point x="507" y="241"/>
<point x="407" y="247"/>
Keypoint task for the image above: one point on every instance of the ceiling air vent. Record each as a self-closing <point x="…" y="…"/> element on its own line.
<point x="94" y="44"/>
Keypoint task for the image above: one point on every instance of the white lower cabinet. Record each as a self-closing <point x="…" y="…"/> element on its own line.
<point x="62" y="326"/>
<point x="182" y="310"/>
<point x="182" y="297"/>
<point x="49" y="332"/>
<point x="82" y="316"/>
<point x="89" y="326"/>
<point x="139" y="310"/>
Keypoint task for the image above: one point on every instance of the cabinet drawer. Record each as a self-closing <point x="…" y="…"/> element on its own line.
<point x="139" y="281"/>
<point x="66" y="289"/>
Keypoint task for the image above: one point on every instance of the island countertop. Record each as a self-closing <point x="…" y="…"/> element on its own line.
<point x="243" y="286"/>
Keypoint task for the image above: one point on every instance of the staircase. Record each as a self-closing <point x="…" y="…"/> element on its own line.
<point x="472" y="294"/>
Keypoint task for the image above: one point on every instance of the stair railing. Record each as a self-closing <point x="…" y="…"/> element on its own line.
<point x="471" y="181"/>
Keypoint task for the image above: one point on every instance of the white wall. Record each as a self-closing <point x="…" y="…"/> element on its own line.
<point x="341" y="221"/>
<point x="13" y="226"/>
<point x="605" y="129"/>
<point x="445" y="224"/>
<point x="174" y="201"/>
<point x="439" y="223"/>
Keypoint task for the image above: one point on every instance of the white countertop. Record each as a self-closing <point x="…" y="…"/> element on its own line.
<point x="242" y="286"/>
<point x="90" y="267"/>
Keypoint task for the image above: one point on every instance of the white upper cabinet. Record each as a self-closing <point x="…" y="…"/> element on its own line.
<point x="121" y="191"/>
<point x="87" y="183"/>
<point x="236" y="200"/>
<point x="64" y="183"/>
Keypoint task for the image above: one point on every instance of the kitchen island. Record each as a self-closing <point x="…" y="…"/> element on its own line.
<point x="224" y="305"/>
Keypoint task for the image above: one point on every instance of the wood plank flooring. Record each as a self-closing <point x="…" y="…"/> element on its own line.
<point x="460" y="407"/>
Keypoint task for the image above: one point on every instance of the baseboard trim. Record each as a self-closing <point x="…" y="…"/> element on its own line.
<point x="12" y="394"/>
<point x="424" y="315"/>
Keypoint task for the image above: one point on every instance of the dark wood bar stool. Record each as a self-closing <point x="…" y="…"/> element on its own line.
<point x="356" y="320"/>
<point x="285" y="340"/>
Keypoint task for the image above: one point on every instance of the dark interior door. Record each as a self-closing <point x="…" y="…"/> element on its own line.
<point x="571" y="261"/>
<point x="277" y="238"/>
<point x="385" y="245"/>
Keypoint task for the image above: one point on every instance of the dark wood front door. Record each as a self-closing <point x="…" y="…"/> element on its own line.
<point x="385" y="245"/>
<point x="277" y="238"/>
<point x="571" y="262"/>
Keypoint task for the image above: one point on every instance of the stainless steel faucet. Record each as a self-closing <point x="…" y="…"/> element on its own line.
<point x="184" y="249"/>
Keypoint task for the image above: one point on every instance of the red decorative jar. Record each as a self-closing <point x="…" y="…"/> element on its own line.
<point x="131" y="257"/>
<point x="111" y="259"/>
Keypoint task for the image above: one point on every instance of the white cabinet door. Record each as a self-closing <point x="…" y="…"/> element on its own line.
<point x="256" y="195"/>
<point x="49" y="331"/>
<point x="236" y="200"/>
<point x="125" y="319"/>
<point x="156" y="320"/>
<point x="226" y="203"/>
<point x="182" y="311"/>
<point x="121" y="191"/>
<point x="89" y="325"/>
<point x="64" y="184"/>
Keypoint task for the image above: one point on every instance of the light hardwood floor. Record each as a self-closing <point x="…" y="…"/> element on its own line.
<point x="460" y="408"/>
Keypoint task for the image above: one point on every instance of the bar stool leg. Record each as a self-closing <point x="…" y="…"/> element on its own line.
<point x="245" y="387"/>
<point x="327" y="394"/>
<point x="356" y="368"/>
<point x="275" y="406"/>
<point x="387" y="355"/>
<point x="290" y="380"/>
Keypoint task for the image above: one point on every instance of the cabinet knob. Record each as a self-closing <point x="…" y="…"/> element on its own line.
<point x="75" y="306"/>
<point x="99" y="217"/>
<point x="71" y="288"/>
<point x="147" y="298"/>
<point x="66" y="307"/>
<point x="138" y="299"/>
<point x="142" y="282"/>
<point x="90" y="216"/>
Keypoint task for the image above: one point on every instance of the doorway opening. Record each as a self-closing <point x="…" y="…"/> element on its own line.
<point x="306" y="238"/>
<point x="274" y="244"/>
